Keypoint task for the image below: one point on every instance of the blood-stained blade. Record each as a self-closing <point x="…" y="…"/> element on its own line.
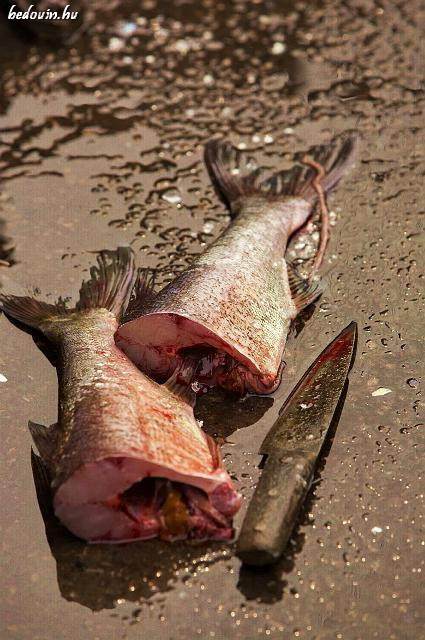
<point x="306" y="415"/>
<point x="292" y="447"/>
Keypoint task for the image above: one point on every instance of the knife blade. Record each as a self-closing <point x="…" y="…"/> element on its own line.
<point x="292" y="447"/>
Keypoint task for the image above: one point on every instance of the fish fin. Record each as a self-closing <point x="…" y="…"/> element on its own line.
<point x="303" y="291"/>
<point x="179" y="383"/>
<point x="44" y="439"/>
<point x="29" y="311"/>
<point x="109" y="287"/>
<point x="336" y="157"/>
<point x="235" y="174"/>
<point x="215" y="451"/>
<point x="42" y="482"/>
<point x="142" y="295"/>
<point x="111" y="282"/>
<point x="181" y="390"/>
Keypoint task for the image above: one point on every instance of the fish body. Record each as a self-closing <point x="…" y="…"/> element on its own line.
<point x="127" y="459"/>
<point x="236" y="302"/>
<point x="235" y="298"/>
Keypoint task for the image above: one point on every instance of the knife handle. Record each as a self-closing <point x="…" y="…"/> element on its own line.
<point x="273" y="509"/>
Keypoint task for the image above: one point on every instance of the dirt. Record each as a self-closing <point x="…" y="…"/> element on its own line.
<point x="101" y="145"/>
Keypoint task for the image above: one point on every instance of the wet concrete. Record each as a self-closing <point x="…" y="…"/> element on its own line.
<point x="101" y="145"/>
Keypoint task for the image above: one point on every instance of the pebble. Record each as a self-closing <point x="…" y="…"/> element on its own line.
<point x="381" y="391"/>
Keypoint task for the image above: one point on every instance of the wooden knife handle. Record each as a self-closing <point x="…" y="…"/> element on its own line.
<point x="272" y="512"/>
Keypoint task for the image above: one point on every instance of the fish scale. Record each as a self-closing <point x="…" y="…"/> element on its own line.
<point x="117" y="428"/>
<point x="239" y="297"/>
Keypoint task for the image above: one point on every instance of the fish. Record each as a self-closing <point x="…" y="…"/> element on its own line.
<point x="234" y="305"/>
<point x="127" y="459"/>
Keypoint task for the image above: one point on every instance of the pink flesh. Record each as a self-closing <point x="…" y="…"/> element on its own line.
<point x="89" y="503"/>
<point x="165" y="335"/>
<point x="116" y="427"/>
<point x="235" y="299"/>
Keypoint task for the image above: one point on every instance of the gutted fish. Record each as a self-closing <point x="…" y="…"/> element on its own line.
<point x="233" y="307"/>
<point x="127" y="460"/>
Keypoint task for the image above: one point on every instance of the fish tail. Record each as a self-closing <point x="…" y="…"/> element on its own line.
<point x="109" y="287"/>
<point x="111" y="282"/>
<point x="142" y="294"/>
<point x="236" y="175"/>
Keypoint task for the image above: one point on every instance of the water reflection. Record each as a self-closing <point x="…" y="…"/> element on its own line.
<point x="222" y="414"/>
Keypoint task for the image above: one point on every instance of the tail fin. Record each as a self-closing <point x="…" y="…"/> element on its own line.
<point x="109" y="287"/>
<point x="142" y="295"/>
<point x="111" y="282"/>
<point x="29" y="311"/>
<point x="235" y="174"/>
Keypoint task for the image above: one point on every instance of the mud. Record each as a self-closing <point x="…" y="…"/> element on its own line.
<point x="100" y="145"/>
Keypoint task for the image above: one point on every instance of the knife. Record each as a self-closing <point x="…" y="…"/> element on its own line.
<point x="292" y="447"/>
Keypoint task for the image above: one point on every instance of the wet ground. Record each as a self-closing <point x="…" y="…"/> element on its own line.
<point x="101" y="145"/>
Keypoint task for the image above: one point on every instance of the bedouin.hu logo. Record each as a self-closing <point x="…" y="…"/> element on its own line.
<point x="48" y="14"/>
